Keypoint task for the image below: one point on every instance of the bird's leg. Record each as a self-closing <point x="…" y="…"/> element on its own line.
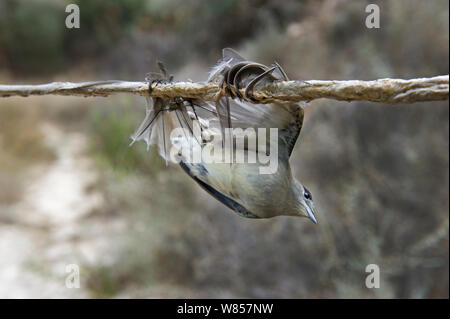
<point x="230" y="77"/>
<point x="197" y="119"/>
<point x="248" y="93"/>
<point x="249" y="68"/>
<point x="278" y="66"/>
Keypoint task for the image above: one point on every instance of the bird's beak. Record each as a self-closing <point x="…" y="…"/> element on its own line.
<point x="311" y="216"/>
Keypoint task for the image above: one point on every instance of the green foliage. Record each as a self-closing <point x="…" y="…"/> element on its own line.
<point x="110" y="131"/>
<point x="101" y="282"/>
<point x="35" y="40"/>
<point x="214" y="24"/>
<point x="32" y="36"/>
<point x="103" y="23"/>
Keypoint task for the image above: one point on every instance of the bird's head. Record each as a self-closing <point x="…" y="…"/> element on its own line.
<point x="305" y="204"/>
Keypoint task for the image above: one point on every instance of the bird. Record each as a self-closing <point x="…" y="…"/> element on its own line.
<point x="263" y="188"/>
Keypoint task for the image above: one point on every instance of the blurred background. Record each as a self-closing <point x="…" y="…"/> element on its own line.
<point x="73" y="192"/>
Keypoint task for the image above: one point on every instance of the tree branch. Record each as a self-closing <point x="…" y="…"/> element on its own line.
<point x="388" y="91"/>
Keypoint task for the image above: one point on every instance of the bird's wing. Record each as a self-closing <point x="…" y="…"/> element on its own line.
<point x="155" y="128"/>
<point x="235" y="72"/>
<point x="229" y="59"/>
<point x="215" y="178"/>
<point x="214" y="192"/>
<point x="291" y="132"/>
<point x="230" y="54"/>
<point x="287" y="118"/>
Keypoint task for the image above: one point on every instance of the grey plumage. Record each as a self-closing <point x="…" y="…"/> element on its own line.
<point x="240" y="186"/>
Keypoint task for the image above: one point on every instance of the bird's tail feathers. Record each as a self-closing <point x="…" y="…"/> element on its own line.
<point x="155" y="128"/>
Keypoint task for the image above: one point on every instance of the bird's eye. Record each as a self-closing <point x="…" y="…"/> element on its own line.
<point x="307" y="194"/>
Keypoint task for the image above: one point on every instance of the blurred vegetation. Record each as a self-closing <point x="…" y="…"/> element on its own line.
<point x="104" y="23"/>
<point x="34" y="41"/>
<point x="111" y="131"/>
<point x="22" y="147"/>
<point x="31" y="39"/>
<point x="379" y="174"/>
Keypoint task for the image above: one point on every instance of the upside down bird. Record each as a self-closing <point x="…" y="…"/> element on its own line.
<point x="240" y="185"/>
